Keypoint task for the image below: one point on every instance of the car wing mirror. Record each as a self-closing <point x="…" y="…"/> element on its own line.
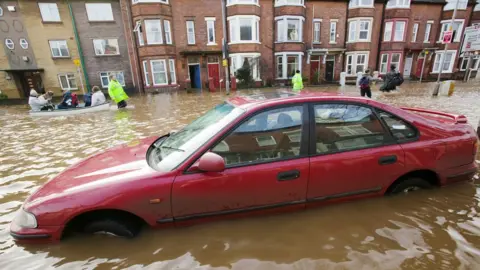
<point x="210" y="162"/>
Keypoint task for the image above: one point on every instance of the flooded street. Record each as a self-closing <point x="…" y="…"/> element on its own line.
<point x="438" y="229"/>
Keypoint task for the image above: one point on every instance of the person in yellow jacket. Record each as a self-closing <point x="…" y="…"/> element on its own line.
<point x="116" y="93"/>
<point x="297" y="81"/>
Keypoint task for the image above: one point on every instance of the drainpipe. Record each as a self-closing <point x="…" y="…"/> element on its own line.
<point x="345" y="37"/>
<point x="382" y="26"/>
<point x="273" y="45"/>
<point x="80" y="51"/>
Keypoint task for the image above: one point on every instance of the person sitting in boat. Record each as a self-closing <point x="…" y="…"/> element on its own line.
<point x="116" y="93"/>
<point x="35" y="102"/>
<point x="48" y="98"/>
<point x="67" y="101"/>
<point x="98" y="98"/>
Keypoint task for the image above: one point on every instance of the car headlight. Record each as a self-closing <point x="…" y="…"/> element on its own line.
<point x="25" y="219"/>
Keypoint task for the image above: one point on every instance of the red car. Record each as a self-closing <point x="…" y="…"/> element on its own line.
<point x="254" y="155"/>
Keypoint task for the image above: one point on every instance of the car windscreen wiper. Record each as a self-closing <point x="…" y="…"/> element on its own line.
<point x="172" y="148"/>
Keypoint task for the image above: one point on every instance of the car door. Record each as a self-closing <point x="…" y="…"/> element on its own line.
<point x="353" y="154"/>
<point x="267" y="166"/>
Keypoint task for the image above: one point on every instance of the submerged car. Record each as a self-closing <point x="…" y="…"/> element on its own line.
<point x="256" y="154"/>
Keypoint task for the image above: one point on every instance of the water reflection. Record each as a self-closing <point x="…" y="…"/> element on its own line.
<point x="429" y="230"/>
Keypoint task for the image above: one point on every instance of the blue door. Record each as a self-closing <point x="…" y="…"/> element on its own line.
<point x="195" y="76"/>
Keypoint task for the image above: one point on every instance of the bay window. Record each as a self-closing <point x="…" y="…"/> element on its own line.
<point x="244" y="29"/>
<point x="279" y="3"/>
<point x="448" y="61"/>
<point x="474" y="64"/>
<point x="287" y="63"/>
<point x="398" y="4"/>
<point x="394" y="30"/>
<point x="356" y="62"/>
<point x="159" y="72"/>
<point x="361" y="4"/>
<point x="154" y="31"/>
<point x="457" y="29"/>
<point x="462" y="4"/>
<point x="389" y="59"/>
<point x="242" y="2"/>
<point x="289" y="28"/>
<point x="238" y="59"/>
<point x="138" y="30"/>
<point x="359" y="29"/>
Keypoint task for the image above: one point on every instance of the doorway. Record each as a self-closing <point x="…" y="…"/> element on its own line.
<point x="418" y="72"/>
<point x="315" y="69"/>
<point x="407" y="69"/>
<point x="194" y="71"/>
<point x="330" y="68"/>
<point x="214" y="70"/>
<point x="30" y="80"/>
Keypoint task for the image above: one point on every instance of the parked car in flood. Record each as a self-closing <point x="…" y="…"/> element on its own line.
<point x="258" y="154"/>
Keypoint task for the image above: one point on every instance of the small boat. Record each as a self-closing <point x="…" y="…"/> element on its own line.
<point x="73" y="111"/>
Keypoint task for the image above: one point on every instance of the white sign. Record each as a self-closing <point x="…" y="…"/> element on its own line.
<point x="471" y="39"/>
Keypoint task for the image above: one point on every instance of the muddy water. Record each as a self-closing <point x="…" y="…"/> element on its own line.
<point x="437" y="229"/>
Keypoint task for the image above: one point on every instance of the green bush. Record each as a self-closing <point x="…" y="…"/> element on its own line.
<point x="3" y="96"/>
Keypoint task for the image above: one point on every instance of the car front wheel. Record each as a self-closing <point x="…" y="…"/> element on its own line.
<point x="113" y="227"/>
<point x="410" y="185"/>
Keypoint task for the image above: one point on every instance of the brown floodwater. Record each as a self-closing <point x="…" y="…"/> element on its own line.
<point x="437" y="229"/>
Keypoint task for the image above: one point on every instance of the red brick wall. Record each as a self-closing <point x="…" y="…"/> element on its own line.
<point x="131" y="47"/>
<point x="243" y="10"/>
<point x="289" y="10"/>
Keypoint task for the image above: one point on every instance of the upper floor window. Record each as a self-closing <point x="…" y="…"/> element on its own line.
<point x="428" y="29"/>
<point x="49" y="12"/>
<point x="9" y="43"/>
<point x="462" y="4"/>
<point x="316" y="31"/>
<point x="414" y="32"/>
<point x="361" y="4"/>
<point x="106" y="46"/>
<point x="398" y="4"/>
<point x="23" y="43"/>
<point x="150" y="1"/>
<point x="190" y="32"/>
<point x="457" y="29"/>
<point x="279" y="3"/>
<point x="59" y="48"/>
<point x="394" y="31"/>
<point x="210" y="31"/>
<point x="333" y="32"/>
<point x="99" y="12"/>
<point x="242" y="2"/>
<point x="359" y="30"/>
<point x="244" y="29"/>
<point x="168" y="32"/>
<point x="289" y="28"/>
<point x="154" y="31"/>
<point x="138" y="30"/>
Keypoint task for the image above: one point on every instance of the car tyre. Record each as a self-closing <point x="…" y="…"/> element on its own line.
<point x="113" y="227"/>
<point x="410" y="185"/>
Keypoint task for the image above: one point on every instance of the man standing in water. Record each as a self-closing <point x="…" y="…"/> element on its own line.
<point x="297" y="82"/>
<point x="116" y="93"/>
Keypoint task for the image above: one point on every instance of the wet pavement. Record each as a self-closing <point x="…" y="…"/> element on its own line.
<point x="438" y="229"/>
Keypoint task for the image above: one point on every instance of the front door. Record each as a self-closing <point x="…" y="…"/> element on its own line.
<point x="214" y="72"/>
<point x="329" y="68"/>
<point x="32" y="80"/>
<point x="407" y="70"/>
<point x="418" y="72"/>
<point x="315" y="69"/>
<point x="266" y="167"/>
<point x="195" y="76"/>
<point x="354" y="154"/>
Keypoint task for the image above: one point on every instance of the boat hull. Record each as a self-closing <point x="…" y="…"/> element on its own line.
<point x="75" y="111"/>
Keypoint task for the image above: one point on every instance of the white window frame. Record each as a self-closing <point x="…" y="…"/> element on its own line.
<point x="9" y="44"/>
<point x="48" y="6"/>
<point x="361" y="4"/>
<point x="150" y="1"/>
<point x="236" y="62"/>
<point x="1" y="11"/>
<point x="426" y="37"/>
<point x="102" y="49"/>
<point x="465" y="60"/>
<point x="281" y="3"/>
<point x="146" y="73"/>
<point x="284" y="35"/>
<point x="319" y="30"/>
<point x="357" y="22"/>
<point x="139" y="30"/>
<point x="414" y="36"/>
<point x="171" y="69"/>
<point x="210" y="21"/>
<point x="107" y="75"/>
<point x="57" y="42"/>
<point x="450" y="5"/>
<point x="440" y="55"/>
<point x="158" y="23"/>
<point x="190" y="35"/>
<point x="284" y="56"/>
<point x="333" y="29"/>
<point x="398" y="4"/>
<point x="153" y="73"/>
<point x="96" y="6"/>
<point x="243" y="2"/>
<point x="23" y="43"/>
<point x="167" y="28"/>
<point x="67" y="75"/>
<point x="458" y="36"/>
<point x="234" y="22"/>
<point x="384" y="56"/>
<point x="390" y="31"/>
<point x="354" y="64"/>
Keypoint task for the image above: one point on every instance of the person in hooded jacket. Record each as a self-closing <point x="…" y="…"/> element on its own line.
<point x="35" y="102"/>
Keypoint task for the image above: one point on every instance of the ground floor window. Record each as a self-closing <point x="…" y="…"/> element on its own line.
<point x="448" y="60"/>
<point x="105" y="77"/>
<point x="161" y="73"/>
<point x="173" y="75"/>
<point x="238" y="60"/>
<point x="67" y="81"/>
<point x="287" y="64"/>
<point x="474" y="65"/>
<point x="356" y="62"/>
<point x="388" y="59"/>
<point x="145" y="73"/>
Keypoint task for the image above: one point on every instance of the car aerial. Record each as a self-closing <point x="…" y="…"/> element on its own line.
<point x="257" y="154"/>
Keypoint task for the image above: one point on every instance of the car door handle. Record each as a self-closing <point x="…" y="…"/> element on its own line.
<point x="387" y="160"/>
<point x="288" y="176"/>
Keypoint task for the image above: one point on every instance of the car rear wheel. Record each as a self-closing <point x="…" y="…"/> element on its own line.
<point x="410" y="185"/>
<point x="113" y="227"/>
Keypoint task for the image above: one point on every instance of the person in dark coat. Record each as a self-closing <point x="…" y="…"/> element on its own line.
<point x="390" y="83"/>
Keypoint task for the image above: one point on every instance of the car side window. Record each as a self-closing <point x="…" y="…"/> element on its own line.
<point x="400" y="129"/>
<point x="268" y="136"/>
<point x="345" y="127"/>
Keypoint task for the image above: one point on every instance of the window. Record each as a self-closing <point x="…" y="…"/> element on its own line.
<point x="106" y="46"/>
<point x="67" y="81"/>
<point x="399" y="30"/>
<point x="150" y="1"/>
<point x="168" y="32"/>
<point x="359" y="30"/>
<point x="395" y="60"/>
<point x="59" y="48"/>
<point x="395" y="28"/>
<point x="159" y="72"/>
<point x="154" y="31"/>
<point x="210" y="31"/>
<point x="448" y="61"/>
<point x="268" y="136"/>
<point x="414" y="32"/>
<point x="237" y="61"/>
<point x="389" y="59"/>
<point x="398" y="4"/>
<point x="384" y="64"/>
<point x="138" y="30"/>
<point x="462" y="4"/>
<point x="23" y="43"/>
<point x="333" y="32"/>
<point x="293" y="30"/>
<point x="49" y="12"/>
<point x="474" y="64"/>
<point x="190" y="32"/>
<point x="345" y="127"/>
<point x="99" y="12"/>
<point x="145" y="73"/>
<point x="400" y="129"/>
<point x="457" y="29"/>
<point x="105" y="77"/>
<point x="361" y="4"/>
<point x="477" y="6"/>
<point x="316" y="31"/>
<point x="356" y="62"/>
<point x="242" y="2"/>
<point x="9" y="43"/>
<point x="288" y="64"/>
<point x="279" y="3"/>
<point x="1" y="11"/>
<point x="387" y="34"/>
<point x="244" y="29"/>
<point x="428" y="29"/>
<point x="173" y="76"/>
